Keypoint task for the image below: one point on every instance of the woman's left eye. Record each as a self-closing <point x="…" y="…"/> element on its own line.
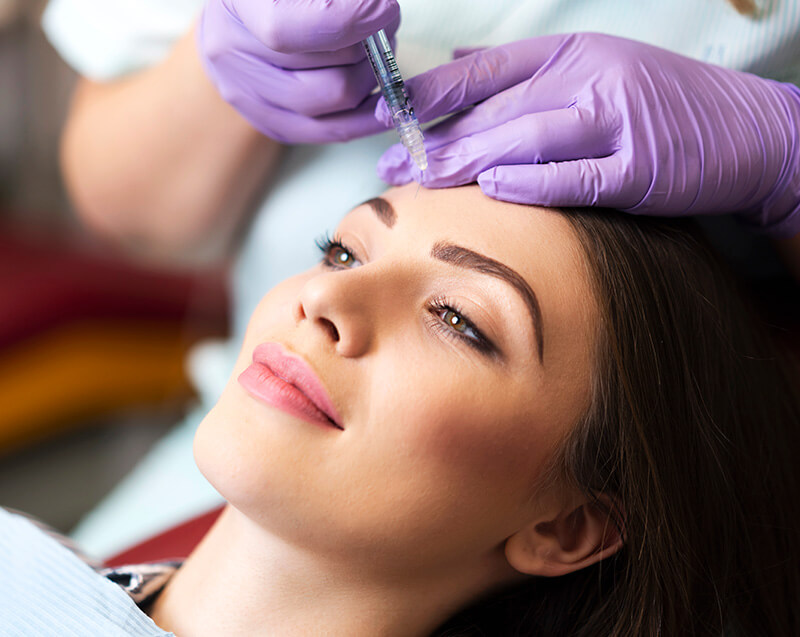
<point x="456" y="321"/>
<point x="456" y="325"/>
<point x="336" y="254"/>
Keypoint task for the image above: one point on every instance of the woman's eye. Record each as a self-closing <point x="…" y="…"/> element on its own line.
<point x="456" y="321"/>
<point x="336" y="254"/>
<point x="456" y="325"/>
<point x="341" y="256"/>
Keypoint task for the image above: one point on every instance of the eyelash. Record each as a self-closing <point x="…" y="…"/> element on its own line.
<point x="329" y="245"/>
<point x="478" y="342"/>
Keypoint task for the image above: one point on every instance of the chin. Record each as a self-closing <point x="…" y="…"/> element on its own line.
<point x="211" y="453"/>
<point x="224" y="452"/>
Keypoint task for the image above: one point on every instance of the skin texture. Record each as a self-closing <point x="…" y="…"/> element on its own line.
<point x="432" y="494"/>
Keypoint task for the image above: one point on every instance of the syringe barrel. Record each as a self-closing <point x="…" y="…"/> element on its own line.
<point x="379" y="52"/>
<point x="382" y="58"/>
<point x="385" y="67"/>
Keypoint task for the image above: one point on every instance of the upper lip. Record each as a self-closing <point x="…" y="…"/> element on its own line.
<point x="295" y="371"/>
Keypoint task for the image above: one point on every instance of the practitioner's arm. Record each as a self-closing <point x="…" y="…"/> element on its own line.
<point x="160" y="161"/>
<point x="159" y="158"/>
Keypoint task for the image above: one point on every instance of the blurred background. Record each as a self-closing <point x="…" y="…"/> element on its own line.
<point x="91" y="345"/>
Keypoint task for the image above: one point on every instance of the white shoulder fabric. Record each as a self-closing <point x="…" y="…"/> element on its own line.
<point x="46" y="589"/>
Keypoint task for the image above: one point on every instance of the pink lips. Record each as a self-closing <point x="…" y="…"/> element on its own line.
<point x="288" y="383"/>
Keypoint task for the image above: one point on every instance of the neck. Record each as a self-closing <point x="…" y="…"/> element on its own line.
<point x="241" y="580"/>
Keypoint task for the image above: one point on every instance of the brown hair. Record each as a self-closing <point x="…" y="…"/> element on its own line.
<point x="693" y="431"/>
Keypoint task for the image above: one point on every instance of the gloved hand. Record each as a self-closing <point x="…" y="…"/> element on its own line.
<point x="590" y="119"/>
<point x="296" y="69"/>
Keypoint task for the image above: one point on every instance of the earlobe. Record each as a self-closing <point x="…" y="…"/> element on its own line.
<point x="573" y="539"/>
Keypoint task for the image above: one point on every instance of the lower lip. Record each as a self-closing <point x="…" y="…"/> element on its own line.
<point x="259" y="381"/>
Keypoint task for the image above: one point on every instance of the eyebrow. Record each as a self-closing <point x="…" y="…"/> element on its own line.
<point x="383" y="209"/>
<point x="464" y="258"/>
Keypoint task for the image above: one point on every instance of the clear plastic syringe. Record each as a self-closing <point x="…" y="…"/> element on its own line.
<point x="381" y="56"/>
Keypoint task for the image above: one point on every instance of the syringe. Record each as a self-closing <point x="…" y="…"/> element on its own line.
<point x="381" y="56"/>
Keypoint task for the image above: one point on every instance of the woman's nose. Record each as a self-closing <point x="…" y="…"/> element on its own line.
<point x="335" y="305"/>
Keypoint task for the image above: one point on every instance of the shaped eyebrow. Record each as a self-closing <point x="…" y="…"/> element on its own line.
<point x="464" y="258"/>
<point x="383" y="210"/>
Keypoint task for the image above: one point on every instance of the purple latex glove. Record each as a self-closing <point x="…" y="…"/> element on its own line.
<point x="296" y="69"/>
<point x="588" y="119"/>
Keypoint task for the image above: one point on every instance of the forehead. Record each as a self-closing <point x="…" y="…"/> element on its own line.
<point x="537" y="242"/>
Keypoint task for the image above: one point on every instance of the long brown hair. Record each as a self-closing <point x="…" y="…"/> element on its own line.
<point x="693" y="431"/>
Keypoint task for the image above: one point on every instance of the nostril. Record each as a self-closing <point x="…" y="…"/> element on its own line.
<point x="329" y="327"/>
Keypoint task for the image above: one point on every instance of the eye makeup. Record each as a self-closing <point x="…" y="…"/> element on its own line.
<point x="454" y="323"/>
<point x="335" y="254"/>
<point x="447" y="318"/>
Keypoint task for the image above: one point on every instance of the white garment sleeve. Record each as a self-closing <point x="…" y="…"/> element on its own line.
<point x="104" y="40"/>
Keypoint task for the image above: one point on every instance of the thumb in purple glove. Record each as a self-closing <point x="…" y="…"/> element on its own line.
<point x="589" y="119"/>
<point x="296" y="70"/>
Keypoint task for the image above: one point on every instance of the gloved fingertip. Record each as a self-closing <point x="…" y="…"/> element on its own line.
<point x="487" y="181"/>
<point x="367" y="17"/>
<point x="382" y="113"/>
<point x="395" y="179"/>
<point x="393" y="168"/>
<point x="391" y="29"/>
<point x="395" y="156"/>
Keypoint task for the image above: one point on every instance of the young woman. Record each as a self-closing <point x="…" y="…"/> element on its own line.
<point x="480" y="418"/>
<point x="156" y="158"/>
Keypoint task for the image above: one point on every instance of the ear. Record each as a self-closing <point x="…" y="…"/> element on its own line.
<point x="574" y="539"/>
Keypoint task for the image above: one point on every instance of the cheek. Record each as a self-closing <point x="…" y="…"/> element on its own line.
<point x="468" y="430"/>
<point x="455" y="458"/>
<point x="283" y="295"/>
<point x="274" y="312"/>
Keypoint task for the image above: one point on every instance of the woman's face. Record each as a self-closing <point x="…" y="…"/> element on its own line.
<point x="453" y="336"/>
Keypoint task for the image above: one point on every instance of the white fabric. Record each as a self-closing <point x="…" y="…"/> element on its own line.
<point x="316" y="186"/>
<point x="46" y="590"/>
<point x="103" y="40"/>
